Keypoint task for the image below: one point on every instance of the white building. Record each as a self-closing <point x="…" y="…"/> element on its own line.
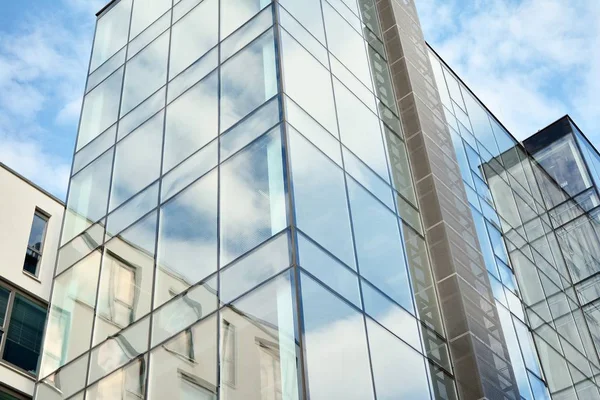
<point x="30" y="221"/>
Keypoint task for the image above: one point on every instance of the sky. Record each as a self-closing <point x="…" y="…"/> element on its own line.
<point x="529" y="61"/>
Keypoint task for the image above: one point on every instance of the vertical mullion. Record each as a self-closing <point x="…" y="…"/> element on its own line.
<point x="218" y="322"/>
<point x="302" y="376"/>
<point x="9" y="309"/>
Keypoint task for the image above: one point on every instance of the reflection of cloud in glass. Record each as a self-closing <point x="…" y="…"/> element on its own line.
<point x="252" y="196"/>
<point x="193" y="36"/>
<point x="191" y="121"/>
<point x="146" y="72"/>
<point x="247" y="80"/>
<point x="145" y="12"/>
<point x="111" y="33"/>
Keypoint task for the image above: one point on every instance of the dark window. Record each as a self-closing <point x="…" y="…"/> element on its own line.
<point x="21" y="330"/>
<point x="36" y="243"/>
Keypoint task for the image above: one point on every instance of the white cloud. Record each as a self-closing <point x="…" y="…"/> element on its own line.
<point x="529" y="61"/>
<point x="43" y="62"/>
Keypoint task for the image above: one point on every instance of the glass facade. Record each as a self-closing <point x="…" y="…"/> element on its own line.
<point x="243" y="220"/>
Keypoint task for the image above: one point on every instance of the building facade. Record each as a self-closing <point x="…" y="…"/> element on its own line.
<point x="299" y="199"/>
<point x="30" y="222"/>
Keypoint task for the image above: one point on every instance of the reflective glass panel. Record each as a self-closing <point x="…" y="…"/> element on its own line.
<point x="379" y="246"/>
<point x="398" y="371"/>
<point x="194" y="35"/>
<point x="314" y="95"/>
<point x="79" y="247"/>
<point x="111" y="33"/>
<point x="300" y="33"/>
<point x="119" y="349"/>
<point x="141" y="113"/>
<point x="247" y="33"/>
<point x="71" y="315"/>
<point x="88" y="196"/>
<point x="100" y="108"/>
<point x="360" y="130"/>
<point x="336" y="346"/>
<point x="149" y="35"/>
<point x="235" y="13"/>
<point x="145" y="12"/>
<point x="94" y="149"/>
<point x="105" y="70"/>
<point x="259" y="351"/>
<point x="309" y="14"/>
<point x="253" y="201"/>
<point x="193" y="74"/>
<point x="191" y="121"/>
<point x="249" y="129"/>
<point x="132" y="210"/>
<point x="125" y="291"/>
<point x="320" y="199"/>
<point x="137" y="161"/>
<point x="128" y="382"/>
<point x="248" y="80"/>
<point x="146" y="72"/>
<point x="327" y="269"/>
<point x="187" y="246"/>
<point x="185" y="367"/>
<point x="64" y="383"/>
<point x="189" y="170"/>
<point x="255" y="268"/>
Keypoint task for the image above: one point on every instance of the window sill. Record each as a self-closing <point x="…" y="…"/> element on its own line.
<point x="18" y="370"/>
<point x="30" y="275"/>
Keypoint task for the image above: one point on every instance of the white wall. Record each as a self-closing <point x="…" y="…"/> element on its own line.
<point x="18" y="202"/>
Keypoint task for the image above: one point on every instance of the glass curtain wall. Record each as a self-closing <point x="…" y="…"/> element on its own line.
<point x="512" y="198"/>
<point x="242" y="222"/>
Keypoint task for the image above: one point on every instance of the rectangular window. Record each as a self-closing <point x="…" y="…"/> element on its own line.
<point x="36" y="243"/>
<point x="229" y="354"/>
<point x="21" y="330"/>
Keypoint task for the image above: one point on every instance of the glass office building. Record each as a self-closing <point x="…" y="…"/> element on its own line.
<point x="298" y="199"/>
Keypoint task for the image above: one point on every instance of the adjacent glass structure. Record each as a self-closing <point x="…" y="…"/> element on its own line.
<point x="242" y="221"/>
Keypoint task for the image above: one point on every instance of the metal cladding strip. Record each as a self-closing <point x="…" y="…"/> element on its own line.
<point x="478" y="349"/>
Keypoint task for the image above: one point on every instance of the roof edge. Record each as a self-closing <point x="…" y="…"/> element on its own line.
<point x="30" y="183"/>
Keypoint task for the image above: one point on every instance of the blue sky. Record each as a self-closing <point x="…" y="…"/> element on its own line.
<point x="529" y="61"/>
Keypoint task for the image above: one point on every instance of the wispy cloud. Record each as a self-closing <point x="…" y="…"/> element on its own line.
<point x="529" y="61"/>
<point x="43" y="62"/>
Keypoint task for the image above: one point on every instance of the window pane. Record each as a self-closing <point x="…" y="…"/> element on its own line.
<point x="68" y="380"/>
<point x="137" y="161"/>
<point x="127" y="383"/>
<point x="253" y="201"/>
<point x="24" y="338"/>
<point x="360" y="130"/>
<point x="178" y="314"/>
<point x="308" y="13"/>
<point x="247" y="33"/>
<point x="398" y="371"/>
<point x="347" y="45"/>
<point x="191" y="121"/>
<point x="259" y="351"/>
<point x="187" y="244"/>
<point x="190" y="170"/>
<point x="126" y="279"/>
<point x="315" y="94"/>
<point x="146" y="72"/>
<point x="331" y="272"/>
<point x="132" y="210"/>
<point x="145" y="12"/>
<point x="366" y="177"/>
<point x="193" y="74"/>
<point x="111" y="33"/>
<point x="38" y="229"/>
<point x="255" y="268"/>
<point x="234" y="13"/>
<point x="249" y="129"/>
<point x="119" y="350"/>
<point x="185" y="368"/>
<point x="142" y="40"/>
<point x="320" y="199"/>
<point x="4" y="294"/>
<point x="142" y="113"/>
<point x="336" y="346"/>
<point x="248" y="80"/>
<point x="193" y="36"/>
<point x="94" y="149"/>
<point x="393" y="317"/>
<point x="88" y="197"/>
<point x="100" y="108"/>
<point x="79" y="247"/>
<point x="71" y="314"/>
<point x="379" y="246"/>
<point x="105" y="70"/>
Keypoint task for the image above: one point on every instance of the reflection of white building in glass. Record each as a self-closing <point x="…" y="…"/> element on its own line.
<point x="30" y="221"/>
